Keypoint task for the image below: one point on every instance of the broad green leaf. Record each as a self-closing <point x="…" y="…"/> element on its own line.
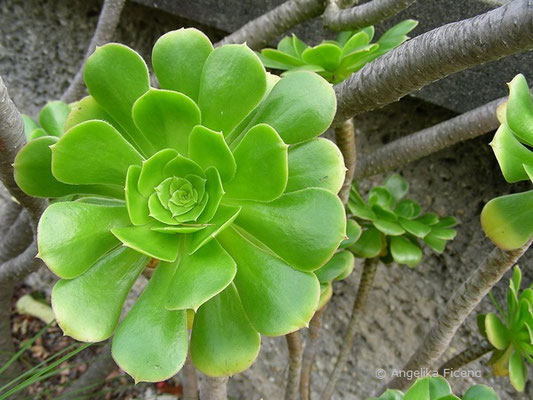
<point x="224" y="217"/>
<point x="136" y="203"/>
<point x="233" y="83"/>
<point x="497" y="333"/>
<point x="158" y="245"/>
<point x="435" y="243"/>
<point x="153" y="170"/>
<point x="356" y="42"/>
<point x="88" y="308"/>
<point x="209" y="149"/>
<point x="38" y="133"/>
<point x="286" y="45"/>
<point x="446" y="222"/>
<point x="88" y="109"/>
<point x="520" y="110"/>
<point x="443" y="233"/>
<point x="397" y="186"/>
<point x="93" y="152"/>
<point x="396" y="35"/>
<point x="508" y="220"/>
<point x="357" y="59"/>
<point x="222" y="341"/>
<point x="166" y="118"/>
<point x="53" y="116"/>
<point x="199" y="277"/>
<point x="116" y="76"/>
<point x="370" y="244"/>
<point x="299" y="107"/>
<point x="529" y="171"/>
<point x="150" y="344"/>
<point x="73" y="235"/>
<point x="29" y="126"/>
<point x="517" y="372"/>
<point x="277" y="298"/>
<point x="381" y="196"/>
<point x="326" y="292"/>
<point x="480" y="320"/>
<point x="390" y="228"/>
<point x="429" y="388"/>
<point x="353" y="233"/>
<point x="262" y="166"/>
<point x="33" y="174"/>
<point x="358" y="206"/>
<point x="415" y="228"/>
<point x="178" y="58"/>
<point x="480" y="392"/>
<point x="303" y="174"/>
<point x="280" y="57"/>
<point x="214" y="192"/>
<point x="304" y="227"/>
<point x="390" y="394"/>
<point x="338" y="268"/>
<point x="511" y="155"/>
<point x="429" y="218"/>
<point x="385" y="213"/>
<point x="299" y="45"/>
<point x="408" y="209"/>
<point x="327" y="55"/>
<point x="273" y="64"/>
<point x="404" y="251"/>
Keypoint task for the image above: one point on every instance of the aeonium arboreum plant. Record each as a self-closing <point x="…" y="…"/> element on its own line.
<point x="218" y="175"/>
<point x="511" y="333"/>
<point x="52" y="120"/>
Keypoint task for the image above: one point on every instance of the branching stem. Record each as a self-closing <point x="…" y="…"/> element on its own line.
<point x="309" y="354"/>
<point x="468" y="355"/>
<point x="294" y="344"/>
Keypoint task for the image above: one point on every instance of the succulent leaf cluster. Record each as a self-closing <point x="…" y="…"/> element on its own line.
<point x="217" y="179"/>
<point x="51" y="119"/>
<point x="437" y="388"/>
<point x="511" y="333"/>
<point x="508" y="220"/>
<point x="335" y="59"/>
<point x="390" y="227"/>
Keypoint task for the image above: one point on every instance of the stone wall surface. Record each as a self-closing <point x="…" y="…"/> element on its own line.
<point x="42" y="43"/>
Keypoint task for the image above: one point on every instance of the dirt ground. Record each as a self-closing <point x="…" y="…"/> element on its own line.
<point x="40" y="50"/>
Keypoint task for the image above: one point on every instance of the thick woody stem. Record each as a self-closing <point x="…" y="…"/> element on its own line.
<point x="260" y="31"/>
<point x="190" y="380"/>
<point x="20" y="266"/>
<point x="309" y="354"/>
<point x="365" y="285"/>
<point x="434" y="55"/>
<point x="214" y="388"/>
<point x="7" y="350"/>
<point x="17" y="237"/>
<point x="461" y="304"/>
<point x="105" y="28"/>
<point x="294" y="344"/>
<point x="362" y="16"/>
<point x="470" y="354"/>
<point x="345" y="138"/>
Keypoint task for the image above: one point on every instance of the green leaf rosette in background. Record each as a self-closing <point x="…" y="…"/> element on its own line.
<point x="219" y="175"/>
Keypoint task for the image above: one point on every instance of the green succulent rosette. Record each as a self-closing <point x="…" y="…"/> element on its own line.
<point x="508" y="220"/>
<point x="51" y="119"/>
<point x="219" y="175"/>
<point x="511" y="333"/>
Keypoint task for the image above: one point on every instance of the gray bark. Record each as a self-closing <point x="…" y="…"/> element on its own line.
<point x="463" y="301"/>
<point x="214" y="388"/>
<point x="260" y="31"/>
<point x="7" y="350"/>
<point x="294" y="344"/>
<point x="362" y="16"/>
<point x="470" y="354"/>
<point x="434" y="55"/>
<point x="345" y="138"/>
<point x="190" y="380"/>
<point x="105" y="28"/>
<point x="17" y="238"/>
<point x="309" y="353"/>
<point x="20" y="266"/>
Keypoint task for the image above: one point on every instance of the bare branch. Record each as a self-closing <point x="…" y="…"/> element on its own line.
<point x="395" y="154"/>
<point x="434" y="55"/>
<point x="10" y="213"/>
<point x="461" y="304"/>
<point x="470" y="354"/>
<point x="17" y="238"/>
<point x="345" y="138"/>
<point x="365" y="285"/>
<point x="21" y="266"/>
<point x="260" y="31"/>
<point x="309" y="354"/>
<point x="294" y="344"/>
<point x="11" y="141"/>
<point x="214" y="388"/>
<point x="107" y="24"/>
<point x="362" y="16"/>
<point x="190" y="380"/>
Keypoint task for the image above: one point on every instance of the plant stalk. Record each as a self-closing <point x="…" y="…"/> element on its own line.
<point x="214" y="388"/>
<point x="365" y="285"/>
<point x="309" y="354"/>
<point x="190" y="380"/>
<point x="345" y="138"/>
<point x="468" y="355"/>
<point x="294" y="344"/>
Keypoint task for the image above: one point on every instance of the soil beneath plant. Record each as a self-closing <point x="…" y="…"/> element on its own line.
<point x="42" y="43"/>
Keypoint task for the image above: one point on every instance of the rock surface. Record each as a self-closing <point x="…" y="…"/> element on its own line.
<point x="42" y="43"/>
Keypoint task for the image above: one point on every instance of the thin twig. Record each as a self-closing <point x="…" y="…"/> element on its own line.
<point x="309" y="354"/>
<point x="365" y="285"/>
<point x="345" y="138"/>
<point x="107" y="24"/>
<point x="461" y="304"/>
<point x="11" y="141"/>
<point x="190" y="380"/>
<point x="364" y="15"/>
<point x="214" y="388"/>
<point x="294" y="344"/>
<point x="468" y="355"/>
<point x="434" y="55"/>
<point x="260" y="31"/>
